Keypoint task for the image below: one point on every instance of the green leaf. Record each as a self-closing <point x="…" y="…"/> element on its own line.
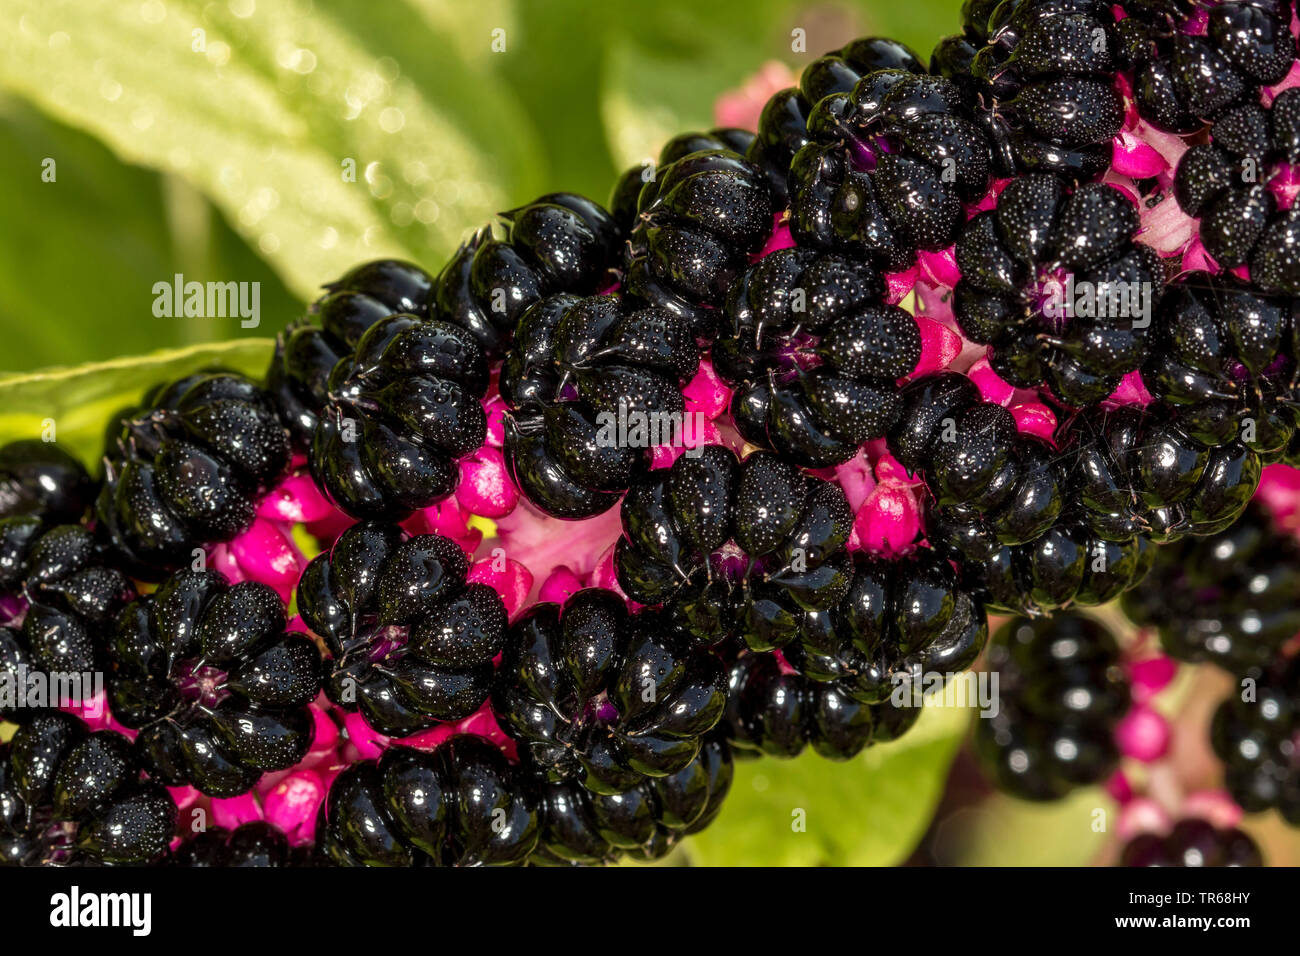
<point x="79" y="402"/>
<point x="79" y="255"/>
<point x="869" y="811"/>
<point x="264" y="106"/>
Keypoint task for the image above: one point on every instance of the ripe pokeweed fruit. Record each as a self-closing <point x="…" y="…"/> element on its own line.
<point x="72" y="797"/>
<point x="776" y="711"/>
<point x="1135" y="468"/>
<point x="1255" y="739"/>
<point x="1182" y="77"/>
<point x="42" y="479"/>
<point x="890" y="164"/>
<point x="403" y="407"/>
<point x="306" y="352"/>
<point x="411" y="642"/>
<point x="72" y="592"/>
<point x="1228" y="598"/>
<point x="731" y="548"/>
<point x="903" y="620"/>
<point x="560" y="242"/>
<point x="607" y="699"/>
<point x="1060" y="696"/>
<point x="1226" y="356"/>
<point x="1225" y="183"/>
<point x="1042" y="83"/>
<point x="644" y="823"/>
<point x="697" y="223"/>
<point x="216" y="687"/>
<point x="1193" y="842"/>
<point x="188" y="469"/>
<point x="462" y="804"/>
<point x="592" y="385"/>
<point x="1056" y="285"/>
<point x="814" y="355"/>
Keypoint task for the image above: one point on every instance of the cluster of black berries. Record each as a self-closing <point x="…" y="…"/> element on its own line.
<point x="1039" y="77"/>
<point x="1054" y="282"/>
<point x="411" y="641"/>
<point x="1255" y="734"/>
<point x="890" y="163"/>
<point x="1060" y="694"/>
<point x="1005" y="506"/>
<point x="216" y="687"/>
<point x="1230" y="600"/>
<point x="188" y="468"/>
<point x="1226" y="357"/>
<point x="859" y="670"/>
<point x="72" y="797"/>
<point x="700" y="216"/>
<point x="1225" y="184"/>
<point x="72" y="593"/>
<point x="593" y="385"/>
<point x="1193" y="842"/>
<point x="814" y="355"/>
<point x="742" y="549"/>
<point x="777" y="711"/>
<point x="758" y="631"/>
<point x="1227" y="599"/>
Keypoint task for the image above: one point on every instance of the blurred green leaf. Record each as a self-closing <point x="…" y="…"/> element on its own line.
<point x="79" y="255"/>
<point x="81" y="401"/>
<point x="266" y="108"/>
<point x="869" y="811"/>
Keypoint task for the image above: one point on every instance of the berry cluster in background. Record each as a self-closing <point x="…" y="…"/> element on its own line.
<point x="507" y="560"/>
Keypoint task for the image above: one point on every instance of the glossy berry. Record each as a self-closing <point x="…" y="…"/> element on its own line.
<point x="593" y="385"/>
<point x="72" y="797"/>
<point x="1061" y="694"/>
<point x="411" y="643"/>
<point x="1225" y="184"/>
<point x="891" y="162"/>
<point x="1226" y="356"/>
<point x="742" y="549"/>
<point x="604" y="698"/>
<point x="1055" y="284"/>
<point x="1254" y="734"/>
<point x="560" y="242"/>
<point x="42" y="479"/>
<point x="1193" y="842"/>
<point x="583" y="827"/>
<point x="215" y="685"/>
<point x="306" y="352"/>
<point x="776" y="711"/>
<point x="698" y="221"/>
<point x="1134" y="468"/>
<point x="814" y="355"/>
<point x="403" y="407"/>
<point x="462" y="804"/>
<point x="188" y="470"/>
<point x="256" y="844"/>
<point x="902" y="620"/>
<point x="1228" y="598"/>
